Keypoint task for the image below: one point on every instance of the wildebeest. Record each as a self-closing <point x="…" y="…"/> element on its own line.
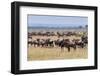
<point x="58" y="42"/>
<point x="80" y="44"/>
<point x="60" y="34"/>
<point x="29" y="37"/>
<point x="84" y="39"/>
<point x="67" y="44"/>
<point x="42" y="42"/>
<point x="63" y="43"/>
<point x="63" y="39"/>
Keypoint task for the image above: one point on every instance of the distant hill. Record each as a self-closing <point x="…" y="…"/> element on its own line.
<point x="56" y="26"/>
<point x="47" y="27"/>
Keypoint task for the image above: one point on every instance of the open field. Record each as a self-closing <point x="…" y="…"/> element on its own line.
<point x="51" y="53"/>
<point x="55" y="53"/>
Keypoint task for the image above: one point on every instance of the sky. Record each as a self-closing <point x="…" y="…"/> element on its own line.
<point x="56" y="21"/>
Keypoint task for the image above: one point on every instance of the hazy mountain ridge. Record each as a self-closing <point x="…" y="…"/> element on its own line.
<point x="49" y="27"/>
<point x="56" y="26"/>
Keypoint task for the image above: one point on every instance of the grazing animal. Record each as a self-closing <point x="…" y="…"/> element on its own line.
<point x="29" y="37"/>
<point x="30" y="42"/>
<point x="57" y="42"/>
<point x="49" y="43"/>
<point x="60" y="34"/>
<point x="66" y="43"/>
<point x="79" y="43"/>
<point x="62" y="43"/>
<point x="84" y="39"/>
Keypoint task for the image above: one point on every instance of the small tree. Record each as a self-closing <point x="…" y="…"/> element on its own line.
<point x="86" y="26"/>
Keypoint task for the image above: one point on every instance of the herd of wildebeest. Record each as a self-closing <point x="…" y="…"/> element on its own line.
<point x="62" y="40"/>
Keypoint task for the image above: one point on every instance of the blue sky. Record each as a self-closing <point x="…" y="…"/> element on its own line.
<point x="56" y="21"/>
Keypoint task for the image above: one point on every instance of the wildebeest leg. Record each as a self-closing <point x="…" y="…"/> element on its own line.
<point x="42" y="45"/>
<point x="82" y="45"/>
<point x="52" y="45"/>
<point x="68" y="49"/>
<point x="38" y="45"/>
<point x="29" y="43"/>
<point x="62" y="48"/>
<point x="46" y="44"/>
<point x="74" y="47"/>
<point x="34" y="44"/>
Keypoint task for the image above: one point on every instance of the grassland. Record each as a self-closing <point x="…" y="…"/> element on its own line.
<point x="42" y="53"/>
